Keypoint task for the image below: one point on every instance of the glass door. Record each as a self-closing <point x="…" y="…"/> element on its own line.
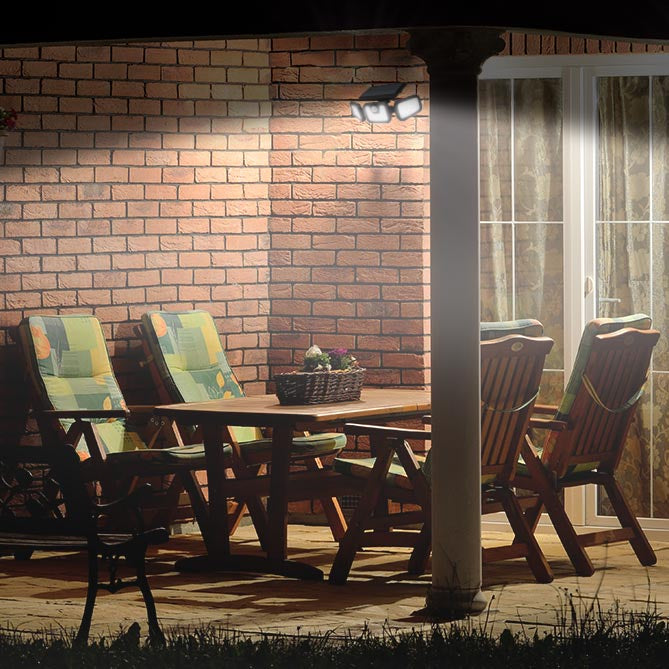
<point x="631" y="155"/>
<point x="574" y="179"/>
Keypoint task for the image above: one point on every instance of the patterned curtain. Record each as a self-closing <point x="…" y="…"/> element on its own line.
<point x="623" y="235"/>
<point x="521" y="209"/>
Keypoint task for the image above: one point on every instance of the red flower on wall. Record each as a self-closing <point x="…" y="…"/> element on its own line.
<point x="7" y="119"/>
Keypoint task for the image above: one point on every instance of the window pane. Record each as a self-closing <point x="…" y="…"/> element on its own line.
<point x="495" y="146"/>
<point x="623" y="268"/>
<point x="660" y="148"/>
<point x="538" y="149"/>
<point x="539" y="283"/>
<point x="624" y="158"/>
<point x="496" y="272"/>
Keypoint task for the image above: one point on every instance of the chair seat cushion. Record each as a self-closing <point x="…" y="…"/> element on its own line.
<point x="255" y="452"/>
<point x="189" y="456"/>
<point x="361" y="468"/>
<point x="573" y="471"/>
<point x="259" y="451"/>
<point x="397" y="477"/>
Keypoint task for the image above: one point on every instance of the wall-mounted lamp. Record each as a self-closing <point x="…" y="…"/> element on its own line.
<point x="379" y="110"/>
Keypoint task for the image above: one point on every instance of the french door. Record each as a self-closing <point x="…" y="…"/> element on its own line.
<point x="575" y="224"/>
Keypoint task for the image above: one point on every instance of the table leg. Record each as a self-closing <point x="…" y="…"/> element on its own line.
<point x="216" y="532"/>
<point x="219" y="539"/>
<point x="277" y="510"/>
<point x="277" y="506"/>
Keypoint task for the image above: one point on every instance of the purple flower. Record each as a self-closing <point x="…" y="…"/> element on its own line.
<point x="339" y="352"/>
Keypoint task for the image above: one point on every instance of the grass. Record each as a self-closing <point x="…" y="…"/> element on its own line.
<point x="582" y="636"/>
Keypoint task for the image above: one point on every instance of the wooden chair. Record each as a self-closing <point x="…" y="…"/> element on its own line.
<point x="188" y="364"/>
<point x="511" y="369"/>
<point x="587" y="432"/>
<point x="76" y="400"/>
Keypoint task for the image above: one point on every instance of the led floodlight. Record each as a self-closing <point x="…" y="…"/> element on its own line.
<point x="380" y="110"/>
<point x="407" y="107"/>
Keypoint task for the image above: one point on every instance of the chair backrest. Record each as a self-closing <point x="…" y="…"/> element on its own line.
<point x="69" y="369"/>
<point x="511" y="369"/>
<point x="187" y="352"/>
<point x="601" y="410"/>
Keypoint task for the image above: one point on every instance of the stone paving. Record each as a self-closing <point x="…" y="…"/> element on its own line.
<point x="48" y="591"/>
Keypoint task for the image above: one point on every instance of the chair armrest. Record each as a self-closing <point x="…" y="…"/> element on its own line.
<point x="141" y="408"/>
<point x="133" y="499"/>
<point x="548" y="424"/>
<point x="386" y="431"/>
<point x="545" y="409"/>
<point x="85" y="414"/>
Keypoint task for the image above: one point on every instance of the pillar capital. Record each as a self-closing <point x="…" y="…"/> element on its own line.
<point x="455" y="52"/>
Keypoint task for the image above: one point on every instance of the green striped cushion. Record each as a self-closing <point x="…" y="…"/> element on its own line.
<point x="397" y="477"/>
<point x="592" y="329"/>
<point x="255" y="452"/>
<point x="524" y="326"/>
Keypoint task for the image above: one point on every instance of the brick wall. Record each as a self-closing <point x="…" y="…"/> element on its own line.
<point x="139" y="179"/>
<point x="348" y="259"/>
<point x="230" y="176"/>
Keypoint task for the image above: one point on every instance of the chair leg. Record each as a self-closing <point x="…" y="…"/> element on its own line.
<point x="565" y="531"/>
<point x="524" y="535"/>
<point x="639" y="542"/>
<point x="91" y="594"/>
<point x="421" y="550"/>
<point x="236" y="516"/>
<point x="155" y="633"/>
<point x="331" y="507"/>
<point x="352" y="540"/>
<point x="258" y="515"/>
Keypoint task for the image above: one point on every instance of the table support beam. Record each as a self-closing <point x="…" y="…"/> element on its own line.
<point x="454" y="58"/>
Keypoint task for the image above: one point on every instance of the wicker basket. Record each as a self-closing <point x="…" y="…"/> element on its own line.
<point x="319" y="387"/>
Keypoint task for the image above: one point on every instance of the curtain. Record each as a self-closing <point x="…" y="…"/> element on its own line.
<point x="623" y="236"/>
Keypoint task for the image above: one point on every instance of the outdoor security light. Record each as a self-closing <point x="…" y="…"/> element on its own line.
<point x="408" y="107"/>
<point x="357" y="111"/>
<point x="380" y="110"/>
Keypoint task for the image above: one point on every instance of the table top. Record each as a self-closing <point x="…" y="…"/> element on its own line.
<point x="265" y="410"/>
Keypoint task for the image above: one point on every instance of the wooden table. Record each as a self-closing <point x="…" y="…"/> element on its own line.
<point x="378" y="405"/>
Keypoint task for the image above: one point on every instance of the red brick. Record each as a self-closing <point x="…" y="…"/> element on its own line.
<point x="290" y="43"/>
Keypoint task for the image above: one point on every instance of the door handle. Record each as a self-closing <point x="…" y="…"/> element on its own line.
<point x="615" y="300"/>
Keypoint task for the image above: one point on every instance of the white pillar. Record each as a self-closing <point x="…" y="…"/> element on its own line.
<point x="454" y="58"/>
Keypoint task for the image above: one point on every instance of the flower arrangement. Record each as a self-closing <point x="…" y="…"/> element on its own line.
<point x="338" y="359"/>
<point x="334" y="376"/>
<point x="7" y="120"/>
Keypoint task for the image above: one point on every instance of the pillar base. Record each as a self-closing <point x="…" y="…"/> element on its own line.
<point x="444" y="604"/>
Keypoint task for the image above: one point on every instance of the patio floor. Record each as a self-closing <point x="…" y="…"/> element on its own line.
<point x="48" y="591"/>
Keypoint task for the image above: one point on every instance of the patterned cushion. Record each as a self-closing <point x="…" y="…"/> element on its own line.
<point x="192" y="364"/>
<point x="524" y="326"/>
<point x="187" y="350"/>
<point x="70" y="367"/>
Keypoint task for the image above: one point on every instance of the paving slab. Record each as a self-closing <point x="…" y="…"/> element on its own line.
<point x="47" y="592"/>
